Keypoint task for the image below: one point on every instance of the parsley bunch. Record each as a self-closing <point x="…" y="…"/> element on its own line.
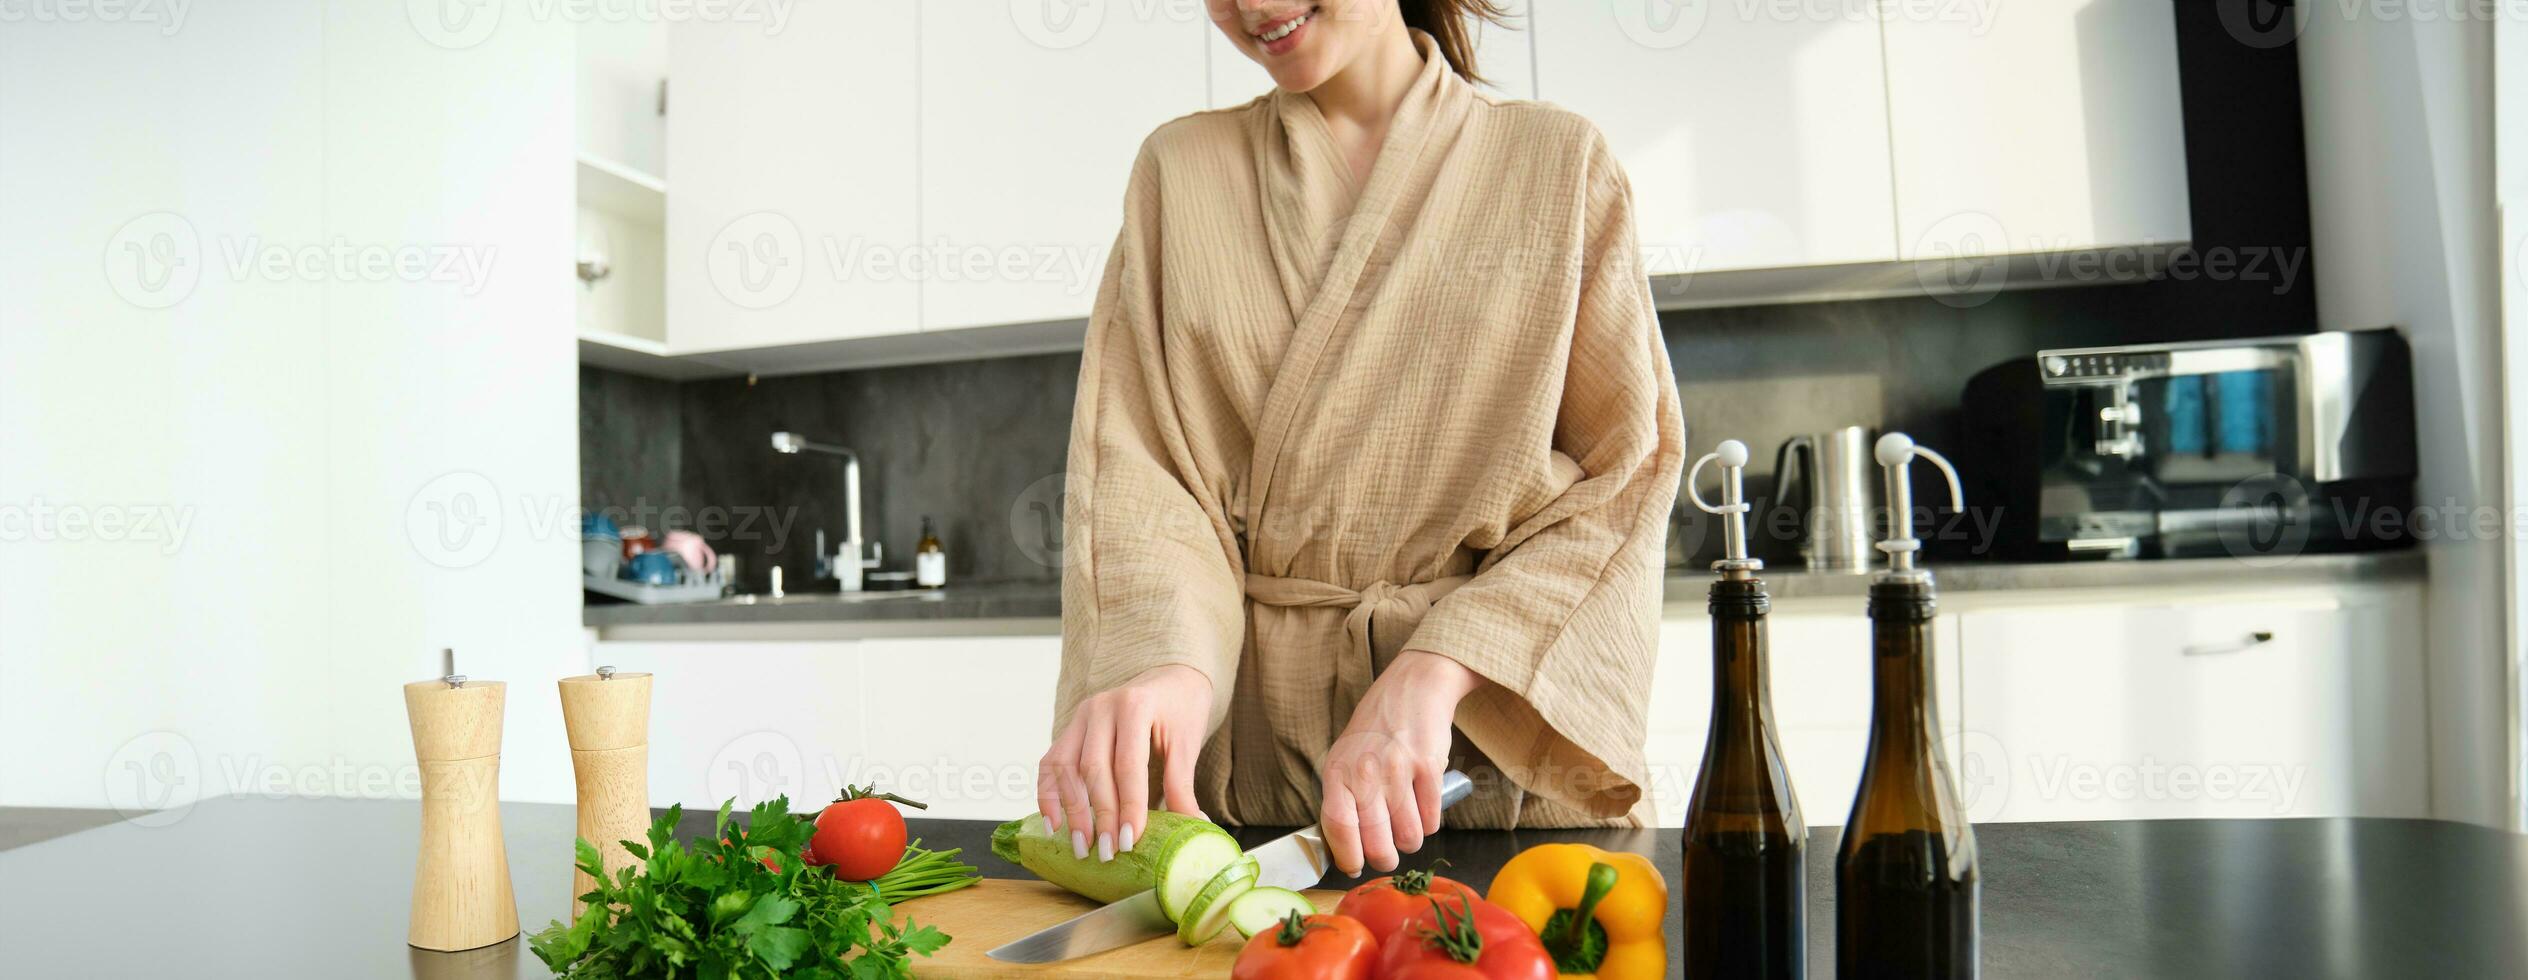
<point x="710" y="909"/>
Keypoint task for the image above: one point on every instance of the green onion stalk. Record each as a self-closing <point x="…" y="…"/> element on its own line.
<point x="924" y="873"/>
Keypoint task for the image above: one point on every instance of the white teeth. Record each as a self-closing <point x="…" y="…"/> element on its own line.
<point x="1283" y="31"/>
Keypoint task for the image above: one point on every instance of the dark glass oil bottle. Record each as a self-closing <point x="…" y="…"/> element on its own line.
<point x="1745" y="843"/>
<point x="1745" y="880"/>
<point x="1905" y="876"/>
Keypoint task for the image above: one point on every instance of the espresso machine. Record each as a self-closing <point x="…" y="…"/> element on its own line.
<point x="2257" y="448"/>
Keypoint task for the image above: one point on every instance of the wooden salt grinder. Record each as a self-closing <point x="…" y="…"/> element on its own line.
<point x="607" y="716"/>
<point x="461" y="893"/>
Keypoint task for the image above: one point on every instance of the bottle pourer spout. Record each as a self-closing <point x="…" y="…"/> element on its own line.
<point x="1896" y="452"/>
<point x="1732" y="455"/>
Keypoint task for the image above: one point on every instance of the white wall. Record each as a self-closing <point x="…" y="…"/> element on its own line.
<point x="2510" y="161"/>
<point x="294" y="433"/>
<point x="2398" y="111"/>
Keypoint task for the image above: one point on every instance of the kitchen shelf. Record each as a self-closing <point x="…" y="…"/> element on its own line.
<point x="643" y="356"/>
<point x="617" y="188"/>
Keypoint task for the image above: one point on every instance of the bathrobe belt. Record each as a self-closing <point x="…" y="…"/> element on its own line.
<point x="1381" y="619"/>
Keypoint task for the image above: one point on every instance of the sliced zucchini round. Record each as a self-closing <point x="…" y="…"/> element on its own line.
<point x="1190" y="863"/>
<point x="1208" y="913"/>
<point x="1263" y="908"/>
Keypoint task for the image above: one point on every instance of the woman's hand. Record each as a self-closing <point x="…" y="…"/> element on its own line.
<point x="1382" y="777"/>
<point x="1095" y="780"/>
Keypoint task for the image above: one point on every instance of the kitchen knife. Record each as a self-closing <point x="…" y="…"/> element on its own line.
<point x="1299" y="860"/>
<point x="1295" y="861"/>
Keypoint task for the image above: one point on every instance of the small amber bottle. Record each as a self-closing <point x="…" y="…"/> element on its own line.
<point x="930" y="559"/>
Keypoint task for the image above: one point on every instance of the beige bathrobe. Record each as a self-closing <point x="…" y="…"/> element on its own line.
<point x="1320" y="424"/>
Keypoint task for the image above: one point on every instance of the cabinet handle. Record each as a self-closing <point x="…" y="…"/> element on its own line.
<point x="2246" y="643"/>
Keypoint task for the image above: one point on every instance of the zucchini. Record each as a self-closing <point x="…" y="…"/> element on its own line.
<point x="1208" y="913"/>
<point x="1176" y="854"/>
<point x="1263" y="909"/>
<point x="1196" y="861"/>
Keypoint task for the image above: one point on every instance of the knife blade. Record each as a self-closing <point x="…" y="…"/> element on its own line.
<point x="1298" y="860"/>
<point x="1121" y="924"/>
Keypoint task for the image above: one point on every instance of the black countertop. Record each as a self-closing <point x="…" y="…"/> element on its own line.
<point x="255" y="887"/>
<point x="1685" y="589"/>
<point x="1004" y="600"/>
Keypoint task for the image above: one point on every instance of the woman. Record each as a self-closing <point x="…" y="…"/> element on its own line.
<point x="1375" y="434"/>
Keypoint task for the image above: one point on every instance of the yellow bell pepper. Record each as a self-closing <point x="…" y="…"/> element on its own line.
<point x="1557" y="889"/>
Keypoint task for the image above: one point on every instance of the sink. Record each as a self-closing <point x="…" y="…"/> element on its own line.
<point x="814" y="598"/>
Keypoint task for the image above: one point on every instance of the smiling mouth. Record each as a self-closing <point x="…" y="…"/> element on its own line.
<point x="1282" y="29"/>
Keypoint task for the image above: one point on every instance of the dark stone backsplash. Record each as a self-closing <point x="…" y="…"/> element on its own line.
<point x="980" y="444"/>
<point x="962" y="443"/>
<point x="630" y="459"/>
<point x="974" y="443"/>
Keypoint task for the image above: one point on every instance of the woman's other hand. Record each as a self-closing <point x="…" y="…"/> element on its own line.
<point x="1095" y="780"/>
<point x="1382" y="777"/>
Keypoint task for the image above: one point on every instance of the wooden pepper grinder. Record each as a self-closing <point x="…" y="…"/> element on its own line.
<point x="461" y="893"/>
<point x="607" y="715"/>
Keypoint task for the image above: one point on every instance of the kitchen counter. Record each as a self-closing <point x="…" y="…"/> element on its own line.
<point x="1006" y="600"/>
<point x="258" y="887"/>
<point x="1036" y="607"/>
<point x="1791" y="583"/>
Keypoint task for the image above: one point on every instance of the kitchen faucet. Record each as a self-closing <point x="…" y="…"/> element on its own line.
<point x="846" y="563"/>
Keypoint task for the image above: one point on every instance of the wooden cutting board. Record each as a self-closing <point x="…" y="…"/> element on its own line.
<point x="995" y="911"/>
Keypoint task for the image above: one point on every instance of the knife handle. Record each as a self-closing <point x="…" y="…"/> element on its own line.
<point x="1454" y="788"/>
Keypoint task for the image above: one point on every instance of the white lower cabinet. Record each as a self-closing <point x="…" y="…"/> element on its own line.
<point x="2103" y="706"/>
<point x="2301" y="702"/>
<point x="956" y="722"/>
<point x="2290" y="704"/>
<point x="746" y="720"/>
<point x="959" y="723"/>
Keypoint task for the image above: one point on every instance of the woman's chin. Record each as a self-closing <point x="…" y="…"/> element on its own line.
<point x="1298" y="76"/>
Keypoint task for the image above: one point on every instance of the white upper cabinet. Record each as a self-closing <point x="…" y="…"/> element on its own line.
<point x="1753" y="141"/>
<point x="1031" y="116"/>
<point x="1504" y="56"/>
<point x="2036" y="128"/>
<point x="793" y="214"/>
<point x="864" y="184"/>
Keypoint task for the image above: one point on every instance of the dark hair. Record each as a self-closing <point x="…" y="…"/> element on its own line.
<point x="1452" y="24"/>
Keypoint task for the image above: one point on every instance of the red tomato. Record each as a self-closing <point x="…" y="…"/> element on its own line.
<point x="770" y="863"/>
<point x="1388" y="902"/>
<point x="1464" y="940"/>
<point x="807" y="856"/>
<point x="1319" y="947"/>
<point x="860" y="836"/>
